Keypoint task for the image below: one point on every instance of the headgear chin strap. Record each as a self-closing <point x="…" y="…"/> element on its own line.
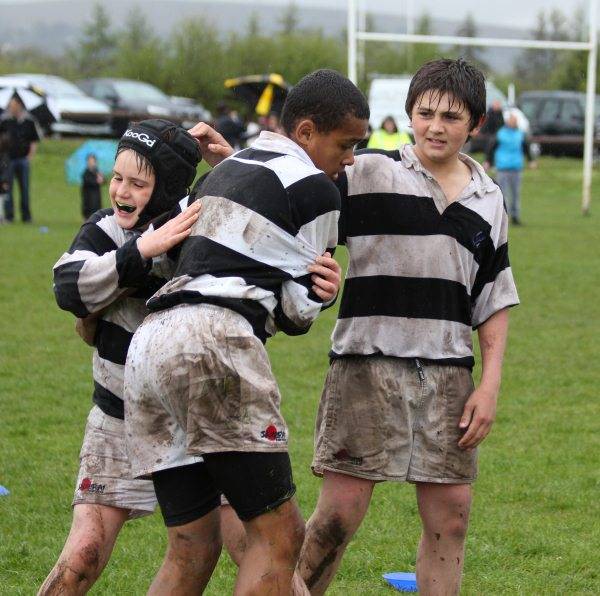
<point x="174" y="156"/>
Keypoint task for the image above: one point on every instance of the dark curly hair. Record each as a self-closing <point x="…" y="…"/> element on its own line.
<point x="327" y="98"/>
<point x="463" y="81"/>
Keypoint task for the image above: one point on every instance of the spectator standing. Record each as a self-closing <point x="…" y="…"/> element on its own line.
<point x="507" y="151"/>
<point x="4" y="167"/>
<point x="388" y="137"/>
<point x="229" y="125"/>
<point x="494" y="119"/>
<point x="23" y="137"/>
<point x="91" y="199"/>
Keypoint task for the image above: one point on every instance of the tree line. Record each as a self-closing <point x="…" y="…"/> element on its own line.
<point x="195" y="59"/>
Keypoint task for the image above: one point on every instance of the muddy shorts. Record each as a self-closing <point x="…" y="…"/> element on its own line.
<point x="198" y="381"/>
<point x="104" y="472"/>
<point x="384" y="418"/>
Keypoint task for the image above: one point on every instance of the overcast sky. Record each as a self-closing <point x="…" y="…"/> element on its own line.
<point x="520" y="13"/>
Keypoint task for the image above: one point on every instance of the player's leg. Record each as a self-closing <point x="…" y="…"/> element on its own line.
<point x="189" y="503"/>
<point x="444" y="510"/>
<point x="105" y="497"/>
<point x="86" y="551"/>
<point x="233" y="532"/>
<point x="443" y="474"/>
<point x="342" y="505"/>
<point x="362" y="436"/>
<point x="234" y="540"/>
<point x="192" y="553"/>
<point x="259" y="486"/>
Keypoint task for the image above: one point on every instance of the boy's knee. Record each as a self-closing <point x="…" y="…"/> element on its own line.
<point x="81" y="568"/>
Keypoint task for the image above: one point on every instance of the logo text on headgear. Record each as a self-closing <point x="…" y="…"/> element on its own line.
<point x="140" y="136"/>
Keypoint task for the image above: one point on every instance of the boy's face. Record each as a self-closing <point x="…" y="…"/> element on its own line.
<point x="334" y="150"/>
<point x="91" y="162"/>
<point x="130" y="189"/>
<point x="440" y="126"/>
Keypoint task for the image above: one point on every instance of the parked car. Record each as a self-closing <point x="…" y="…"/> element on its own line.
<point x="558" y="121"/>
<point x="78" y="113"/>
<point x="135" y="100"/>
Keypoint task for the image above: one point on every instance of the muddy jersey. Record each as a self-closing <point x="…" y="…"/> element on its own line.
<point x="422" y="273"/>
<point x="267" y="213"/>
<point x="103" y="272"/>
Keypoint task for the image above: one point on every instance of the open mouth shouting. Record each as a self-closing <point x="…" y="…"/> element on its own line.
<point x="124" y="207"/>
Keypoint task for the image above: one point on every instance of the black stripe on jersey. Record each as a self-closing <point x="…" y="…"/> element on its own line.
<point x="131" y="267"/>
<point x="93" y="238"/>
<point x="150" y="287"/>
<point x="466" y="361"/>
<point x="200" y="256"/>
<point x="258" y="155"/>
<point x="418" y="298"/>
<point x="112" y="341"/>
<point x="254" y="187"/>
<point x="312" y="196"/>
<point x="307" y="282"/>
<point x="66" y="288"/>
<point x="251" y="310"/>
<point x="108" y="402"/>
<point x="382" y="213"/>
<point x="395" y="154"/>
<point x="342" y="186"/>
<point x="489" y="270"/>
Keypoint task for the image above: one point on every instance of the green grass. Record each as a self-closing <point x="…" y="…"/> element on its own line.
<point x="534" y="527"/>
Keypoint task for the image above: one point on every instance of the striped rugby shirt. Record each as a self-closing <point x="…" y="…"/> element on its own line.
<point x="422" y="274"/>
<point x="102" y="264"/>
<point x="267" y="213"/>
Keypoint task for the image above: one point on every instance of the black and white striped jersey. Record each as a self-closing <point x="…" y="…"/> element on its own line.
<point x="421" y="273"/>
<point x="267" y="213"/>
<point x="103" y="272"/>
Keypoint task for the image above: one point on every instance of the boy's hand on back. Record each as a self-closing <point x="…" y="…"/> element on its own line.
<point x="213" y="146"/>
<point x="170" y="234"/>
<point x="327" y="275"/>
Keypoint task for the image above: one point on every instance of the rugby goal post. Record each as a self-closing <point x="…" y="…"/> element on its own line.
<point x="355" y="34"/>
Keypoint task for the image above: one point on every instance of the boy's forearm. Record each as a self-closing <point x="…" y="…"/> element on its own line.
<point x="492" y="343"/>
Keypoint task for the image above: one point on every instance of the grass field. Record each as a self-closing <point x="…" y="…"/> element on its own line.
<point x="535" y="525"/>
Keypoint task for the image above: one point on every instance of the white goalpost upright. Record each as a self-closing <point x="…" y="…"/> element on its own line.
<point x="590" y="46"/>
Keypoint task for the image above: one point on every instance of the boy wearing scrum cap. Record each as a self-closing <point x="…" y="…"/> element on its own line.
<point x="104" y="279"/>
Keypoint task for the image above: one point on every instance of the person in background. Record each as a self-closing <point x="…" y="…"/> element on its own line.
<point x="229" y="125"/>
<point x="23" y="137"/>
<point x="4" y="167"/>
<point x="91" y="199"/>
<point x="388" y="137"/>
<point x="507" y="151"/>
<point x="494" y="119"/>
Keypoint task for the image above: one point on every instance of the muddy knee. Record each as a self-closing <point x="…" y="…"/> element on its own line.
<point x="81" y="569"/>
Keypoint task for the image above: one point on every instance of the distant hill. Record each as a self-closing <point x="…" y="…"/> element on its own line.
<point x="53" y="25"/>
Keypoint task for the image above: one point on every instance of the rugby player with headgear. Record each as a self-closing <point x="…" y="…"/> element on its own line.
<point x="104" y="279"/>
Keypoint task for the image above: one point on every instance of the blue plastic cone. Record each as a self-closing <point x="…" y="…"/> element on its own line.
<point x="405" y="582"/>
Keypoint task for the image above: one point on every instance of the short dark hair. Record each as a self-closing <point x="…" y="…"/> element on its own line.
<point x="462" y="80"/>
<point x="327" y="98"/>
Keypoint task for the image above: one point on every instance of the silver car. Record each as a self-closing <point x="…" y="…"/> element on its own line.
<point x="78" y="114"/>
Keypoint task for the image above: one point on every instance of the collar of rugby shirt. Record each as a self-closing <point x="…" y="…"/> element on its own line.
<point x="271" y="141"/>
<point x="480" y="184"/>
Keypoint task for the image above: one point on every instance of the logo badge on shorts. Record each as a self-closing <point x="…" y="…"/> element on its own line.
<point x="272" y="434"/>
<point x="92" y="487"/>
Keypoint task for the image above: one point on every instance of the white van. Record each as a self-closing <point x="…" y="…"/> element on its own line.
<point x="387" y="97"/>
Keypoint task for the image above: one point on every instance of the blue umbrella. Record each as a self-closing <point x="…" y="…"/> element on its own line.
<point x="104" y="150"/>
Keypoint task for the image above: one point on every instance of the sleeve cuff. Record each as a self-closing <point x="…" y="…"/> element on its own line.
<point x="132" y="268"/>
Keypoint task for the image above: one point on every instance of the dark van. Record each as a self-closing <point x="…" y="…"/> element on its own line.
<point x="557" y="120"/>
